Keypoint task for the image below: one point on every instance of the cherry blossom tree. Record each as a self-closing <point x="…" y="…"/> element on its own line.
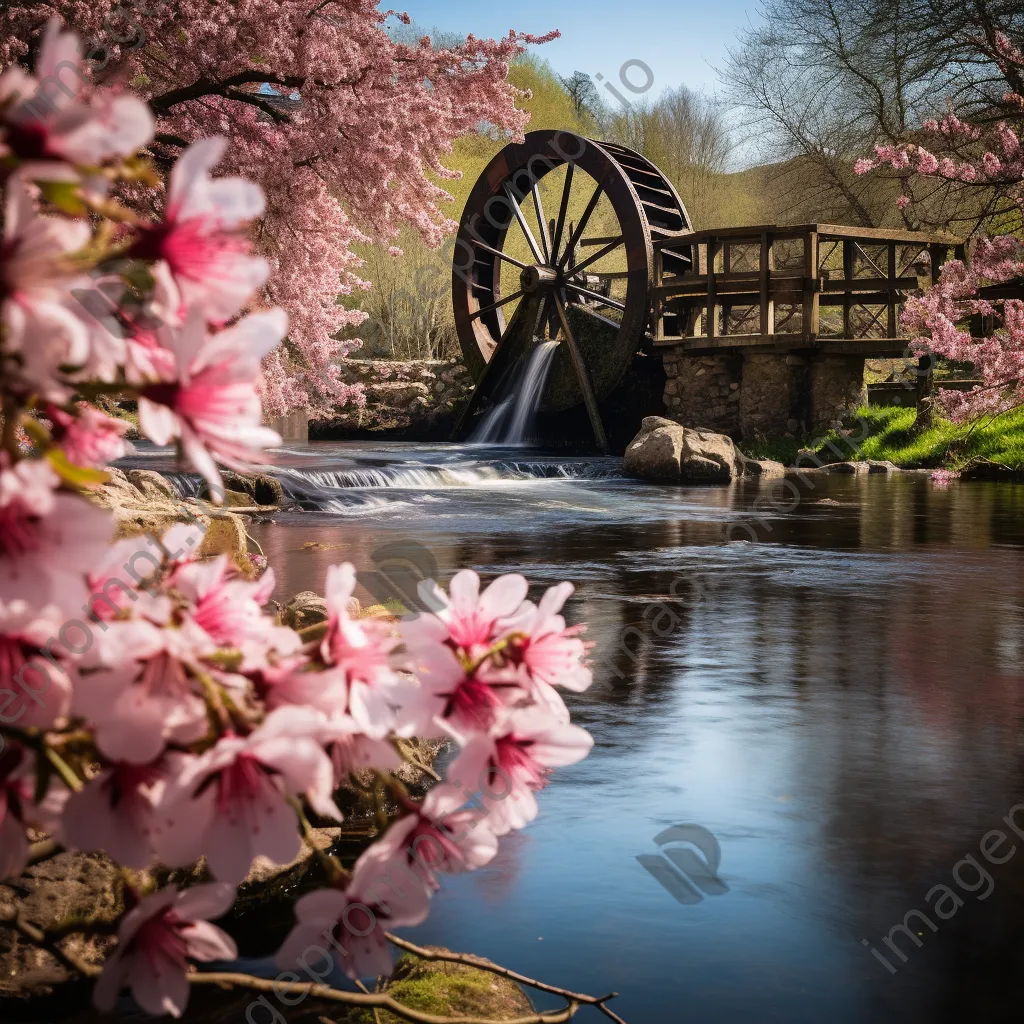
<point x="987" y="157"/>
<point x="345" y="130"/>
<point x="167" y="716"/>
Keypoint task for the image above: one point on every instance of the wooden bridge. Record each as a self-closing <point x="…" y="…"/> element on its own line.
<point x="814" y="287"/>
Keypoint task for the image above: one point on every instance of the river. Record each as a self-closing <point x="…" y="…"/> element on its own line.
<point x="837" y="703"/>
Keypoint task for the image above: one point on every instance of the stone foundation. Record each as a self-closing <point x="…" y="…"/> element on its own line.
<point x="837" y="384"/>
<point x="771" y="394"/>
<point x="703" y="391"/>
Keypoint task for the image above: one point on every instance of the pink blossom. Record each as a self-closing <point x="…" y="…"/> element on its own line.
<point x="351" y="750"/>
<point x="155" y="941"/>
<point x="471" y="618"/>
<point x="200" y="246"/>
<point x="47" y="126"/>
<point x="147" y="696"/>
<point x="90" y="437"/>
<point x="551" y="652"/>
<point x="511" y="763"/>
<point x="441" y="834"/>
<point x="228" y="609"/>
<point x="944" y="477"/>
<point x="358" y="653"/>
<point x="115" y="811"/>
<point x="43" y="332"/>
<point x="453" y="696"/>
<point x="213" y="408"/>
<point x="231" y="802"/>
<point x="42" y="684"/>
<point x="48" y="539"/>
<point x="382" y="893"/>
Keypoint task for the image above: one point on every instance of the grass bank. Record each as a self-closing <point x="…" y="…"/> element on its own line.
<point x="890" y="436"/>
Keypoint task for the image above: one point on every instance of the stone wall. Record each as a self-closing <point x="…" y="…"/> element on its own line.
<point x="703" y="391"/>
<point x="837" y="384"/>
<point x="405" y="399"/>
<point x="769" y="394"/>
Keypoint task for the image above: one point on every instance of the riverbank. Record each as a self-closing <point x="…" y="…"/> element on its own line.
<point x="994" y="445"/>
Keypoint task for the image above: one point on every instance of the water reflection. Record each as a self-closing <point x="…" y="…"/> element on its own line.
<point x="839" y="703"/>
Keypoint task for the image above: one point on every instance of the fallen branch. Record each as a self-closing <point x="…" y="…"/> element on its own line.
<point x="482" y="964"/>
<point x="367" y="1000"/>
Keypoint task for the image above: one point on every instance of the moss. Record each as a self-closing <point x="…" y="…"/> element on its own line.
<point x="451" y="990"/>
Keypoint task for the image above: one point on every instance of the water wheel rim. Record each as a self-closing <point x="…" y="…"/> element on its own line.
<point x="480" y="251"/>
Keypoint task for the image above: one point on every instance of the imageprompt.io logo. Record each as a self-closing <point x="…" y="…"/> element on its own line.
<point x="687" y="864"/>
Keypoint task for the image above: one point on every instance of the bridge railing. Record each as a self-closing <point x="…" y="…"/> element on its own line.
<point x="824" y="286"/>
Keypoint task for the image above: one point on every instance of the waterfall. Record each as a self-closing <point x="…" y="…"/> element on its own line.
<point x="510" y="420"/>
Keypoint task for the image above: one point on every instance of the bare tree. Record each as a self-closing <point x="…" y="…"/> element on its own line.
<point x="685" y="134"/>
<point x="819" y="83"/>
<point x="583" y="93"/>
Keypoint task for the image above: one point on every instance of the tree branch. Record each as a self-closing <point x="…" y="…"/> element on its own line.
<point x="12" y="916"/>
<point x="367" y="999"/>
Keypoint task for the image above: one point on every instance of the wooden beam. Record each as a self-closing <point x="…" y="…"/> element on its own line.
<point x="766" y="302"/>
<point x="811" y="271"/>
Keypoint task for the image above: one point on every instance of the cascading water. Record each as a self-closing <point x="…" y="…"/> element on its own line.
<point x="511" y="419"/>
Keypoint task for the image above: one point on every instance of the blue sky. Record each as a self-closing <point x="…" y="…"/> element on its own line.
<point x="680" y="41"/>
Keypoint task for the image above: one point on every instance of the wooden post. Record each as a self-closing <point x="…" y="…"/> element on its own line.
<point x="712" y="325"/>
<point x="811" y="284"/>
<point x="890" y="318"/>
<point x="938" y="255"/>
<point x="765" y="268"/>
<point x="726" y="268"/>
<point x="849" y="268"/>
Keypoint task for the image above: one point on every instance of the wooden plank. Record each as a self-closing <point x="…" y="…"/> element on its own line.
<point x="881" y="234"/>
<point x="752" y="234"/>
<point x="869" y="348"/>
<point x="855" y="284"/>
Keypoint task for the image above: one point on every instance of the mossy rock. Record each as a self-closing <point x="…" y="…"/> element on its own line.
<point x="450" y="990"/>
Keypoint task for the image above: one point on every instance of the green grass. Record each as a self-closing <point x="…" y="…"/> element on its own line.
<point x="947" y="445"/>
<point x="890" y="437"/>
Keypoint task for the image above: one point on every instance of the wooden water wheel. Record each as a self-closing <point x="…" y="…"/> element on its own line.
<point x="556" y="244"/>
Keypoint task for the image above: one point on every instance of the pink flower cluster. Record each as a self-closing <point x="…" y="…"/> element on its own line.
<point x="941" y="319"/>
<point x="165" y="715"/>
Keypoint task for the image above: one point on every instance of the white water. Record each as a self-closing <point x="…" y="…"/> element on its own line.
<point x="509" y="422"/>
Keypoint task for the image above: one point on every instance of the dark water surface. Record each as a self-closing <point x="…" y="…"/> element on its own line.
<point x="838" y="702"/>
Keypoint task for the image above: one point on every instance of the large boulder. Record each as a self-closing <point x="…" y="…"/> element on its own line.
<point x="656" y="452"/>
<point x="667" y="452"/>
